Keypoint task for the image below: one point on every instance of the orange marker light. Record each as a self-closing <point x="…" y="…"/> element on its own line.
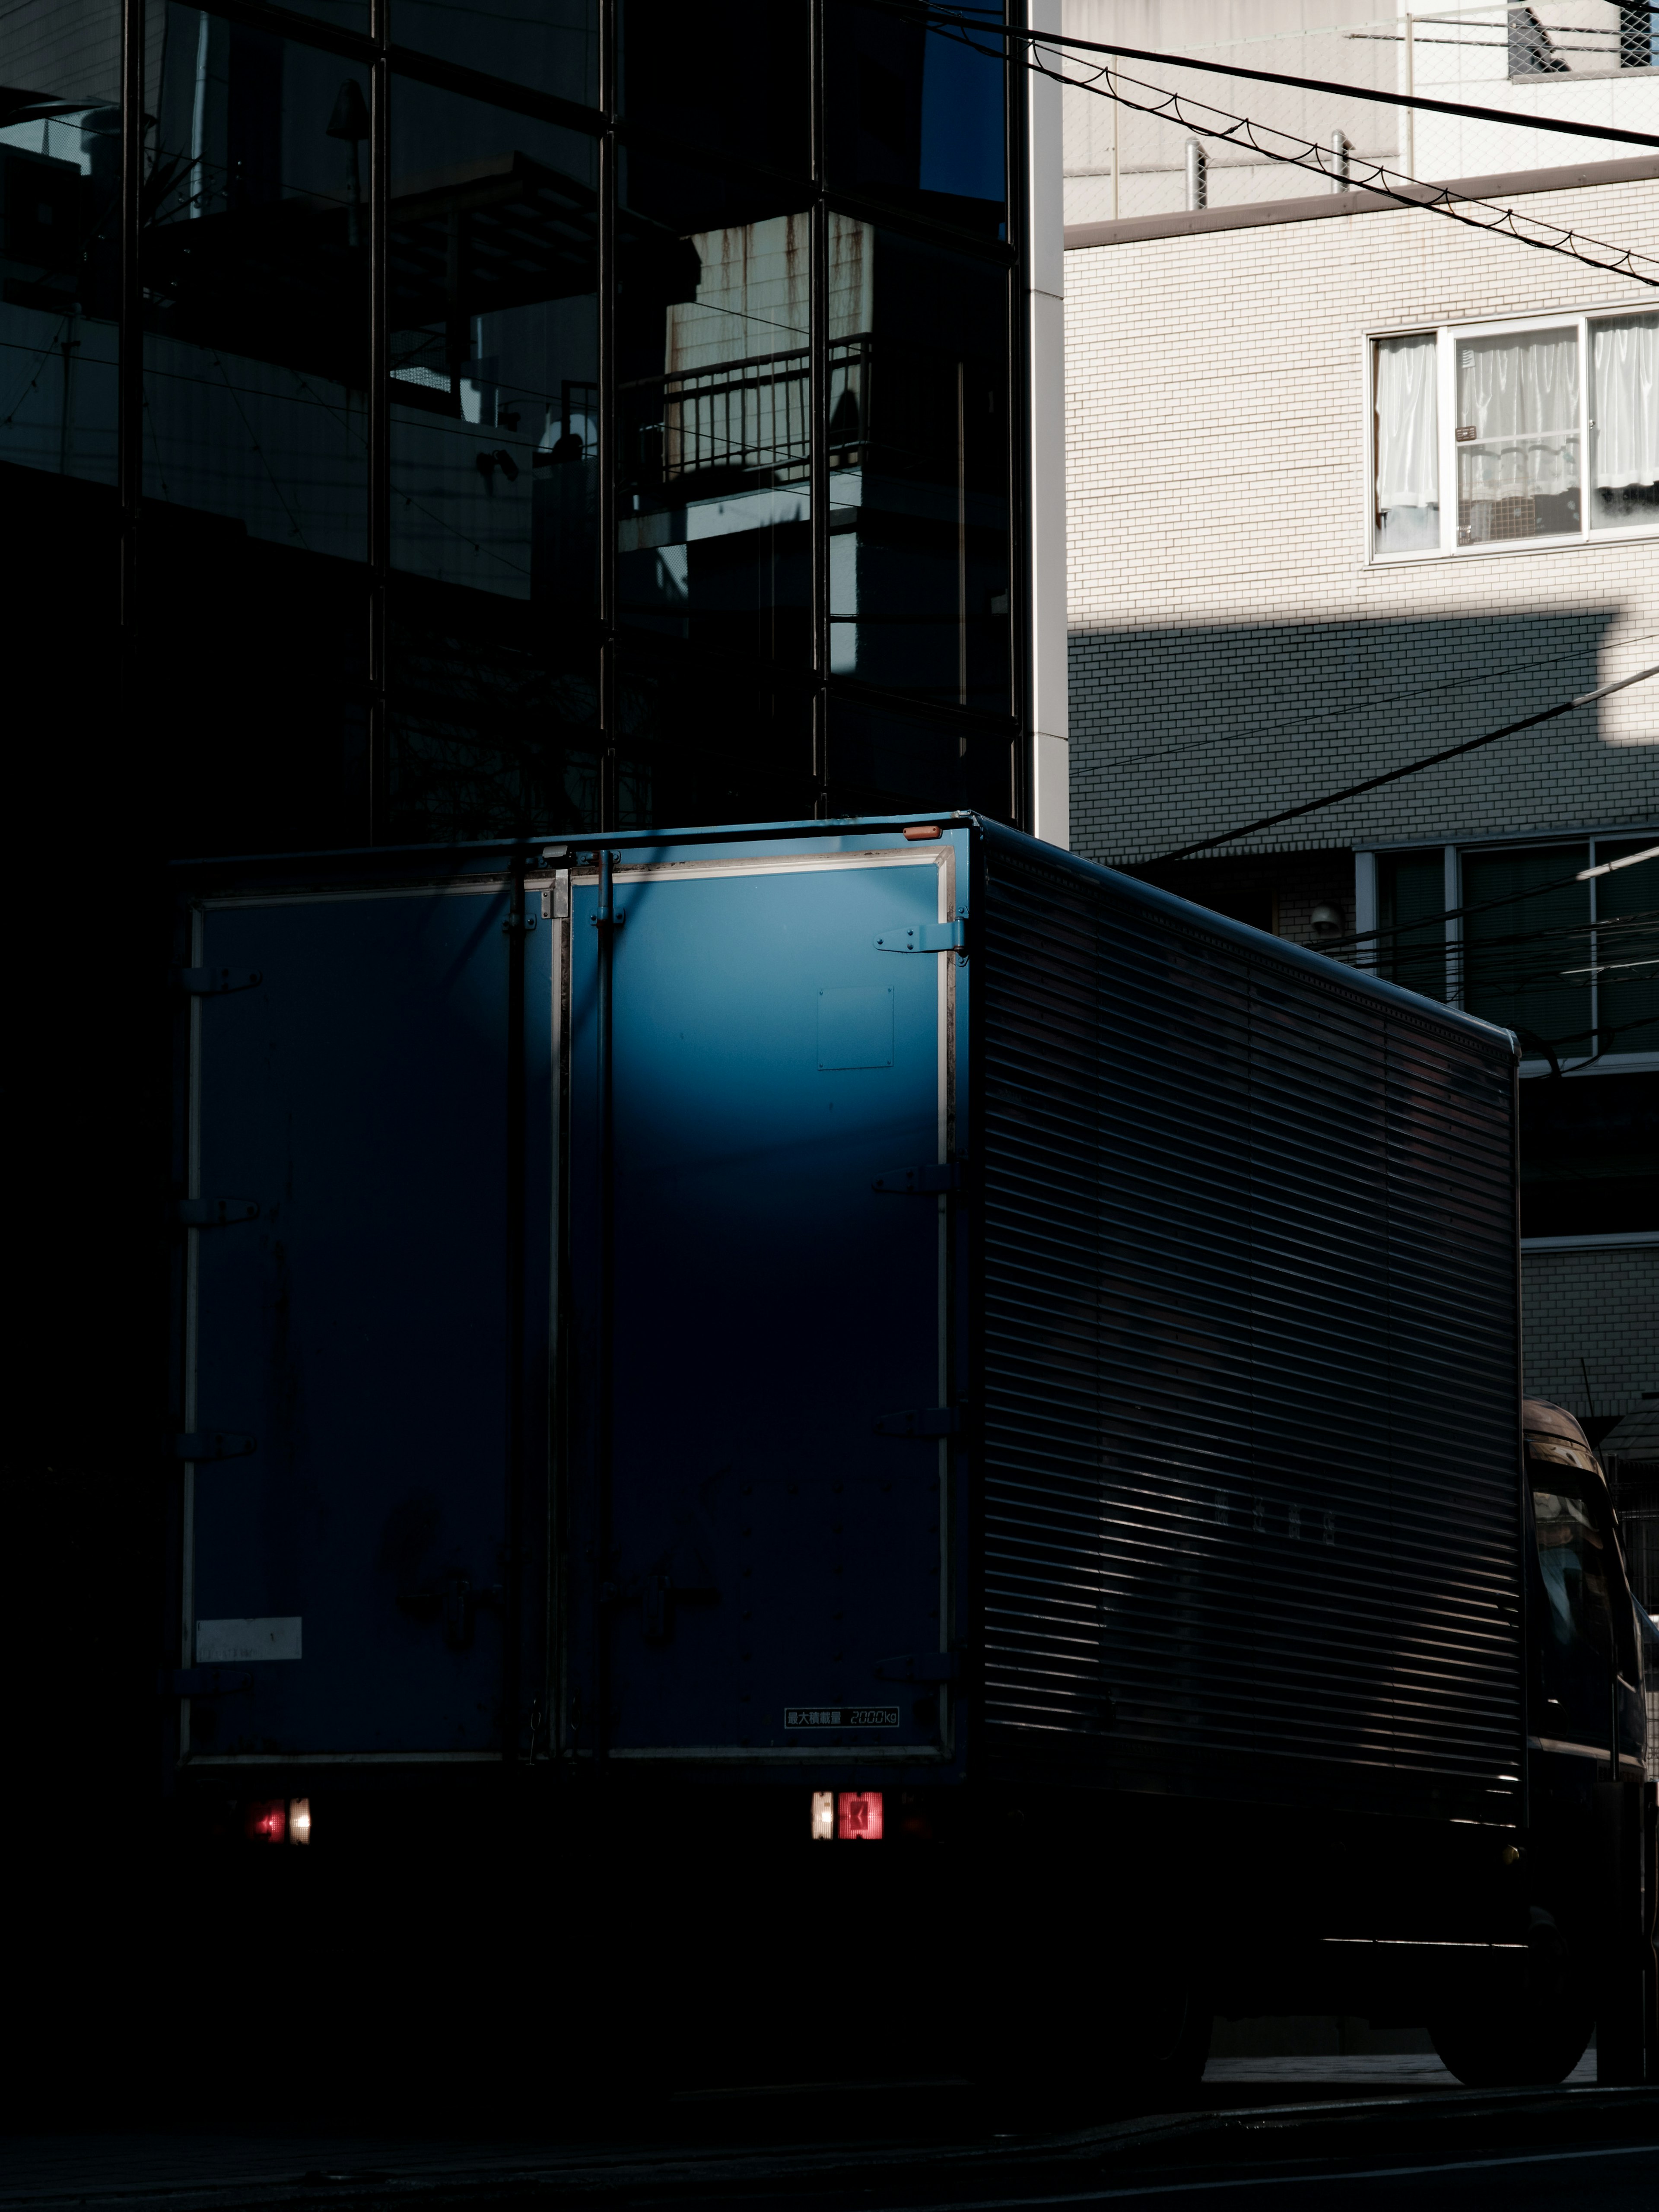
<point x="919" y="833"/>
<point x="860" y="1816"/>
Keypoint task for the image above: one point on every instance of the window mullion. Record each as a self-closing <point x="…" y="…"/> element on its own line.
<point x="1447" y="427"/>
<point x="1454" y="988"/>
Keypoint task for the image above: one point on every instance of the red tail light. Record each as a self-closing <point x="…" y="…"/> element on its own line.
<point x="267" y="1820"/>
<point x="859" y="1817"/>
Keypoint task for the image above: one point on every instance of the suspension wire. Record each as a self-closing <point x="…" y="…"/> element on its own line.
<point x="1106" y="83"/>
<point x="1240" y="131"/>
<point x="1411" y="767"/>
<point x="946" y="19"/>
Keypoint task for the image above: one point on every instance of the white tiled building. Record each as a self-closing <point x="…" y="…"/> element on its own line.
<point x="1349" y="483"/>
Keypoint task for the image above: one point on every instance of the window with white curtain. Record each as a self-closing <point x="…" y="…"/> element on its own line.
<point x="1541" y="433"/>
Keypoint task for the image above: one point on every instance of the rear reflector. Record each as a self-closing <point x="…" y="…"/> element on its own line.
<point x="859" y="1820"/>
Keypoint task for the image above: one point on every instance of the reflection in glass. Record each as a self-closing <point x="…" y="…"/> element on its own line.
<point x="1526" y="925"/>
<point x="60" y="148"/>
<point x="256" y="273"/>
<point x="1624" y="421"/>
<point x="714" y="433"/>
<point x="253" y="538"/>
<point x="549" y="45"/>
<point x="919" y="469"/>
<point x="1627" y="948"/>
<point x="1517" y="436"/>
<point x="704" y="739"/>
<point x="493" y="231"/>
<point x="736" y="79"/>
<point x="1410" y="903"/>
<point x="884" y="759"/>
<point x="916" y="117"/>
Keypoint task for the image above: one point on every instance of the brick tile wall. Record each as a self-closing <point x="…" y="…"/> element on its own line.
<point x="1232" y="650"/>
<point x="1599" y="1307"/>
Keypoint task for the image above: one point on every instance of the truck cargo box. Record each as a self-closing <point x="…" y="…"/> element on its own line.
<point x="834" y="1301"/>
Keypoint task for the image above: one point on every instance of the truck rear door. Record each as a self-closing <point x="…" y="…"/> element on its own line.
<point x="759" y="1559"/>
<point x="352" y="1429"/>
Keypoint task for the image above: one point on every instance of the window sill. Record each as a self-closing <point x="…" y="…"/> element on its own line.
<point x="1515" y="546"/>
<point x="1612" y="1240"/>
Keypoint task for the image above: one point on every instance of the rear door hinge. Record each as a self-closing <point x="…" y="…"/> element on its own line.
<point x="214" y="1212"/>
<point x="919" y="1667"/>
<point x="524" y="921"/>
<point x="210" y="983"/>
<point x="925" y="937"/>
<point x="213" y="1444"/>
<point x="920" y="1182"/>
<point x="929" y="1421"/>
<point x="203" y="1682"/>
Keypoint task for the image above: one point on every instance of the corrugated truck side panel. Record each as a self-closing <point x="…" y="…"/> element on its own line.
<point x="1248" y="1310"/>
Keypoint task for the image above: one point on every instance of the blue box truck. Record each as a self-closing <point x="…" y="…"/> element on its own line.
<point x="881" y="1331"/>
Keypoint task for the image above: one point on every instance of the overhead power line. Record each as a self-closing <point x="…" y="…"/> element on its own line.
<point x="950" y="19"/>
<point x="1107" y="83"/>
<point x="1411" y="767"/>
<point x="1369" y="940"/>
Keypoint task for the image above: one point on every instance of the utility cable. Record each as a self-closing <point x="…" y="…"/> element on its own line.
<point x="1372" y="176"/>
<point x="948" y="19"/>
<point x="1363" y="937"/>
<point x="1411" y="767"/>
<point x="1255" y="733"/>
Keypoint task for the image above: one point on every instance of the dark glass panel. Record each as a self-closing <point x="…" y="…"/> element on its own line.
<point x="1527" y="952"/>
<point x="714" y="413"/>
<point x="493" y="233"/>
<point x="1411" y="907"/>
<point x="884" y="761"/>
<point x="60" y="160"/>
<point x="253" y="538"/>
<point x="255" y="274"/>
<point x="919" y="469"/>
<point x="549" y="45"/>
<point x="494" y="730"/>
<point x="1589" y="1155"/>
<point x="703" y="741"/>
<point x="916" y="116"/>
<point x="734" y="78"/>
<point x="1627" y="948"/>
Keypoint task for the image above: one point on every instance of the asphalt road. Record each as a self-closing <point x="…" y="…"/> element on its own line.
<point x="897" y="2148"/>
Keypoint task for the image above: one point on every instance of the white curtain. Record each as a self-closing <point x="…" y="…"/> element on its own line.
<point x="1408" y="445"/>
<point x="1525" y="390"/>
<point x="1624" y="405"/>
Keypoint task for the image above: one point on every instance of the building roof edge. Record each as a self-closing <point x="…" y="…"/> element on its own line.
<point x="1317" y="206"/>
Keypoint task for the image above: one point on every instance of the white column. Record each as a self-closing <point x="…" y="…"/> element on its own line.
<point x="1045" y="284"/>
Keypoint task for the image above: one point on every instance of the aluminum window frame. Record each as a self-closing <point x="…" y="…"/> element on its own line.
<point x="1367" y="903"/>
<point x="1447" y="336"/>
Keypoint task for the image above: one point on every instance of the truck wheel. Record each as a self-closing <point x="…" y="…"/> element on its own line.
<point x="1533" y="2042"/>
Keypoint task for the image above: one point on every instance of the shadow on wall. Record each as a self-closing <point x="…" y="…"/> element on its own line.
<point x="1177" y="734"/>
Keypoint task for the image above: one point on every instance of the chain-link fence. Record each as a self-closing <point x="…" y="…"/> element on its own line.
<point x="1595" y="61"/>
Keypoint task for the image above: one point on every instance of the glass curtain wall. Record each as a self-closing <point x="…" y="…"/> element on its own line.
<point x="538" y="418"/>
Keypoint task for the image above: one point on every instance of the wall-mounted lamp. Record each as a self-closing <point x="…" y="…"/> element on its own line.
<point x="1325" y="921"/>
